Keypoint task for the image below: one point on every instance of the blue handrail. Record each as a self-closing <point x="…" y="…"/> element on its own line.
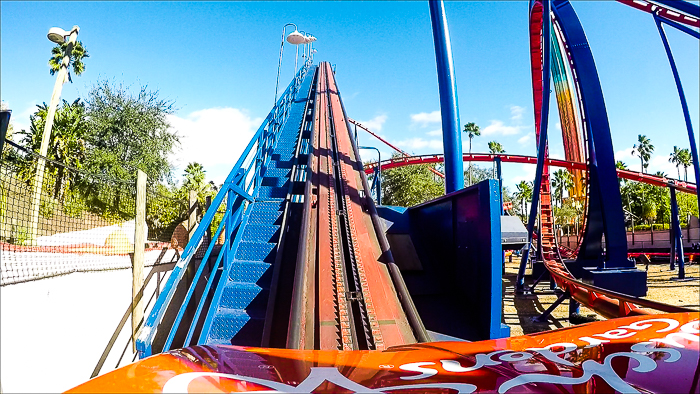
<point x="241" y="184"/>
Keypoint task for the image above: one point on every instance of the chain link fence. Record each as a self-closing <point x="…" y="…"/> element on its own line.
<point x="78" y="221"/>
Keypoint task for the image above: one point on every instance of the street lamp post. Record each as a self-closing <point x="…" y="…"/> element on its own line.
<point x="294" y="38"/>
<point x="58" y="36"/>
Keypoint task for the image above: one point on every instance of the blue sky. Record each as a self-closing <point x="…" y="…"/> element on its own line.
<point x="218" y="62"/>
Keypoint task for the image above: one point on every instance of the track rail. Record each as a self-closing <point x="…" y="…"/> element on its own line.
<point x="356" y="305"/>
<point x="686" y="187"/>
<point x="683" y="12"/>
<point x="356" y="123"/>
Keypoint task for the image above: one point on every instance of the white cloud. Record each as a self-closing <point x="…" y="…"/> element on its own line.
<point x="556" y="155"/>
<point x="657" y="162"/>
<point x="375" y="124"/>
<point x="420" y="143"/>
<point x="661" y="163"/>
<point x="213" y="137"/>
<point x="629" y="159"/>
<point x="516" y="113"/>
<point x="20" y="119"/>
<point x="423" y="119"/>
<point x="527" y="173"/>
<point x="498" y="128"/>
<point x="527" y="139"/>
<point x="434" y="133"/>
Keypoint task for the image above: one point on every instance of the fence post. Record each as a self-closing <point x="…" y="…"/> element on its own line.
<point x="138" y="261"/>
<point x="192" y="220"/>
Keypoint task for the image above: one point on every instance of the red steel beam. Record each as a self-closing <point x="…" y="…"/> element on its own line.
<point x="356" y="123"/>
<point x="482" y="157"/>
<point x="674" y="15"/>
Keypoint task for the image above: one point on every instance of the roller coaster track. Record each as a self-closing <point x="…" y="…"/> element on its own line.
<point x="358" y="124"/>
<point x="571" y="165"/>
<point x="608" y="303"/>
<point x="355" y="303"/>
<point x="676" y="11"/>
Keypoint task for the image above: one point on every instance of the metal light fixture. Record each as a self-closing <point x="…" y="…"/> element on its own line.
<point x="57" y="35"/>
<point x="296" y="38"/>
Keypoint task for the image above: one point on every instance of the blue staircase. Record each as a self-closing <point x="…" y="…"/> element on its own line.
<point x="239" y="306"/>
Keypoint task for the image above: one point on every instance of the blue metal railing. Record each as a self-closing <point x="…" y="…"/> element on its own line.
<point x="241" y="186"/>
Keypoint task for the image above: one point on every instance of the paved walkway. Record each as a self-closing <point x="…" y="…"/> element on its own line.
<point x="54" y="330"/>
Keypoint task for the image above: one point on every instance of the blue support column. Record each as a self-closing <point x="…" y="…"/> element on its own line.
<point x="542" y="143"/>
<point x="605" y="201"/>
<point x="677" y="241"/>
<point x="377" y="172"/>
<point x="451" y="133"/>
<point x="499" y="174"/>
<point x="684" y="104"/>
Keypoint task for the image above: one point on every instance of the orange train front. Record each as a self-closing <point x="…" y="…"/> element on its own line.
<point x="643" y="354"/>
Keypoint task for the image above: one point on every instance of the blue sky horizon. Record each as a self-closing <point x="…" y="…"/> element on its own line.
<point x="218" y="62"/>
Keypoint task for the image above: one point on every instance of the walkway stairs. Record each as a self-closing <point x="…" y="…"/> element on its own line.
<point x="241" y="297"/>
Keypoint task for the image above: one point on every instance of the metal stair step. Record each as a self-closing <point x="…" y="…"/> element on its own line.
<point x="273" y="181"/>
<point x="226" y="324"/>
<point x="261" y="233"/>
<point x="250" y="272"/>
<point x="265" y="213"/>
<point x="248" y="296"/>
<point x="256" y="251"/>
<point x="277" y="172"/>
<point x="272" y="192"/>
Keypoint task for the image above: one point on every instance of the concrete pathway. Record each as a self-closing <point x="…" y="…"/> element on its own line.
<point x="53" y="331"/>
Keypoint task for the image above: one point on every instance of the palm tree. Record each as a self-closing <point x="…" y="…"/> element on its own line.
<point x="67" y="145"/>
<point x="495" y="148"/>
<point x="472" y="130"/>
<point x="563" y="180"/>
<point x="76" y="58"/>
<point x="686" y="161"/>
<point x="524" y="194"/>
<point x="194" y="180"/>
<point x="676" y="159"/>
<point x="643" y="149"/>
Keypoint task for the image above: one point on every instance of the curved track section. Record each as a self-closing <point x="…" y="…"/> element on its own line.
<point x="572" y="165"/>
<point x="677" y="11"/>
<point x="608" y="303"/>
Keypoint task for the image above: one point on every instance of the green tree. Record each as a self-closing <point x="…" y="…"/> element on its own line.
<point x="563" y="180"/>
<point x="75" y="61"/>
<point x="685" y="160"/>
<point x="524" y="194"/>
<point x="195" y="180"/>
<point x="66" y="143"/>
<point x="472" y="130"/>
<point x="479" y="174"/>
<point x="676" y="159"/>
<point x="126" y="132"/>
<point x="643" y="149"/>
<point x="410" y="185"/>
<point x="565" y="214"/>
<point x="495" y="148"/>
